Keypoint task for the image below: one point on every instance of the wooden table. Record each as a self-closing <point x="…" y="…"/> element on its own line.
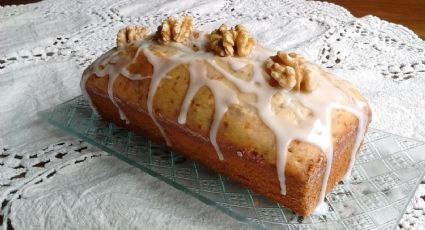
<point x="410" y="13"/>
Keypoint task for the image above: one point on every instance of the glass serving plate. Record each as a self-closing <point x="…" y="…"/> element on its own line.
<point x="384" y="179"/>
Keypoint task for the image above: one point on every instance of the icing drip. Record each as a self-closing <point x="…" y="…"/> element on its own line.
<point x="308" y="119"/>
<point x="111" y="81"/>
<point x="88" y="72"/>
<point x="361" y="130"/>
<point x="83" y="83"/>
<point x="101" y="68"/>
<point x="161" y="67"/>
<point x="235" y="64"/>
<point x="223" y="97"/>
<point x="195" y="84"/>
<point x="265" y="111"/>
<point x="321" y="209"/>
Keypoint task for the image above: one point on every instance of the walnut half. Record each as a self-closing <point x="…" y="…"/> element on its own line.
<point x="226" y="41"/>
<point x="175" y="30"/>
<point x="290" y="71"/>
<point x="130" y="34"/>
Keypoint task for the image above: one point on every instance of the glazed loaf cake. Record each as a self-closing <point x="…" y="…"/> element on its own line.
<point x="274" y="122"/>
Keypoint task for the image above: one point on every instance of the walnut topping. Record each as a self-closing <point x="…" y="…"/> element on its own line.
<point x="130" y="34"/>
<point x="175" y="30"/>
<point x="226" y="41"/>
<point x="290" y="71"/>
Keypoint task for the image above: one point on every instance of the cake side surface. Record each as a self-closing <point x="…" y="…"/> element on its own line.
<point x="277" y="124"/>
<point x="303" y="191"/>
<point x="305" y="164"/>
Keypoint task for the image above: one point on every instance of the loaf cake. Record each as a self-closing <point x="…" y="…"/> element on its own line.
<point x="271" y="121"/>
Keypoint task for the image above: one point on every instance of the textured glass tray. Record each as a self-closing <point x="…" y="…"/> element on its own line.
<point x="383" y="181"/>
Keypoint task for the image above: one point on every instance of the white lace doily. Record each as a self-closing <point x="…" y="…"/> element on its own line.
<point x="49" y="180"/>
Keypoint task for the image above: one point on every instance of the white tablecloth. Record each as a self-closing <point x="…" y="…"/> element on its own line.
<point x="50" y="180"/>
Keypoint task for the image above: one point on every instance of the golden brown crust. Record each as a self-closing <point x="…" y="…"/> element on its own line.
<point x="303" y="191"/>
<point x="241" y="130"/>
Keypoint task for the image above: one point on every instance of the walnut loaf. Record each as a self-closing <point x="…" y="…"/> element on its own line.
<point x="273" y="122"/>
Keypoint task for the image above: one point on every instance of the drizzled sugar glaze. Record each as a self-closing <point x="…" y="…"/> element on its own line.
<point x="309" y="117"/>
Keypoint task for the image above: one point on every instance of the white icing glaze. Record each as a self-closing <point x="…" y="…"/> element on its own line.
<point x="101" y="67"/>
<point x="88" y="72"/>
<point x="315" y="129"/>
<point x="194" y="84"/>
<point x="236" y="64"/>
<point x="361" y="130"/>
<point x="223" y="97"/>
<point x="161" y="67"/>
<point x="321" y="209"/>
